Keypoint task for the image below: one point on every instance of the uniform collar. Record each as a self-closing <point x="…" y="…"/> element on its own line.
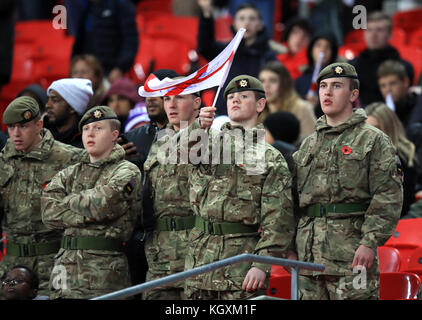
<point x="41" y="151"/>
<point x="358" y="115"/>
<point x="117" y="154"/>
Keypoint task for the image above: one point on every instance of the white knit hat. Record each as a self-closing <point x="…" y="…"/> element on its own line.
<point x="76" y="92"/>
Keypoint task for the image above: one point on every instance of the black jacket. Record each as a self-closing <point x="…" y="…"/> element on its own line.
<point x="414" y="134"/>
<point x="7" y="24"/>
<point x="72" y="136"/>
<point x="367" y="64"/>
<point x="416" y="115"/>
<point x="106" y="29"/>
<point x="143" y="137"/>
<point x="247" y="60"/>
<point x="287" y="150"/>
<point x="405" y="107"/>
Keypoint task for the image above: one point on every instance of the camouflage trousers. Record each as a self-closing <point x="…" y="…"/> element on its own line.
<point x="165" y="252"/>
<point x="327" y="287"/>
<point x="84" y="274"/>
<point x="42" y="265"/>
<point x="193" y="293"/>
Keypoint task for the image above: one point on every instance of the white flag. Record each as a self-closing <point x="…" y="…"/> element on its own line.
<point x="211" y="75"/>
<point x="390" y="102"/>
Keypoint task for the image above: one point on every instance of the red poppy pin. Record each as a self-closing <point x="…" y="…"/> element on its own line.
<point x="346" y="150"/>
<point x="44" y="185"/>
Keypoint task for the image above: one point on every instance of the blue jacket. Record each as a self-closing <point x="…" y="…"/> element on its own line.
<point x="107" y="29"/>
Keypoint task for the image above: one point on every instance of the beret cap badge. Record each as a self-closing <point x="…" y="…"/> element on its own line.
<point x="339" y="70"/>
<point x="97" y="114"/>
<point x="27" y="115"/>
<point x="243" y="83"/>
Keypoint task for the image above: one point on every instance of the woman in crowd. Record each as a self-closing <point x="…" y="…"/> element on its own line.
<point x="382" y="117"/>
<point x="87" y="66"/>
<point x="326" y="44"/>
<point x="281" y="96"/>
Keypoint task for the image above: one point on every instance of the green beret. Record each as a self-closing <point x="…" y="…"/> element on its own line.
<point x="243" y="83"/>
<point x="97" y="114"/>
<point x="337" y="70"/>
<point x="21" y="110"/>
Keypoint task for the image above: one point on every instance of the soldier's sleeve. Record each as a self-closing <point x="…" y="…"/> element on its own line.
<point x="55" y="212"/>
<point x="108" y="201"/>
<point x="277" y="222"/>
<point x="385" y="185"/>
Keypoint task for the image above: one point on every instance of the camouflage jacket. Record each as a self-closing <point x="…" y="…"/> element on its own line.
<point x="254" y="191"/>
<point x="108" y="191"/>
<point x="169" y="186"/>
<point x="350" y="163"/>
<point x="169" y="189"/>
<point x="23" y="176"/>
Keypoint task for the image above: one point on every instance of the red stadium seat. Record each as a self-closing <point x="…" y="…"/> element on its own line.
<point x="408" y="20"/>
<point x="222" y="29"/>
<point x="416" y="38"/>
<point x="349" y="52"/>
<point x="407" y="238"/>
<point x="33" y="30"/>
<point x="414" y="264"/>
<point x="280" y="283"/>
<point x="414" y="56"/>
<point x="399" y="286"/>
<point x="153" y="54"/>
<point x="167" y="25"/>
<point x="389" y="259"/>
<point x="154" y="6"/>
<point x="354" y="38"/>
<point x="398" y="37"/>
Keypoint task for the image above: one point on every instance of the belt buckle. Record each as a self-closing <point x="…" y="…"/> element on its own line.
<point x="172" y="224"/>
<point x="25" y="250"/>
<point x="322" y="211"/>
<point x="69" y="243"/>
<point x="210" y="228"/>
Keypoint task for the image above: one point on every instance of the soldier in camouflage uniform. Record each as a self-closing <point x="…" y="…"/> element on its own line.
<point x="349" y="185"/>
<point x="96" y="202"/>
<point x="28" y="162"/>
<point x="241" y="206"/>
<point x="169" y="189"/>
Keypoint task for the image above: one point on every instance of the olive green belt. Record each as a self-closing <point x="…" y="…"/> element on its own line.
<point x="32" y="249"/>
<point x="91" y="243"/>
<point x="175" y="223"/>
<point x="222" y="228"/>
<point x="320" y="210"/>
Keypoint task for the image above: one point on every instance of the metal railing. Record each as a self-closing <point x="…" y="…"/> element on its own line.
<point x="246" y="257"/>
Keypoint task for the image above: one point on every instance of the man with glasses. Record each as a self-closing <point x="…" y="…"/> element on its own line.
<point x="21" y="283"/>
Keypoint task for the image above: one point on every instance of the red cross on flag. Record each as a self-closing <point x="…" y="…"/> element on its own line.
<point x="211" y="75"/>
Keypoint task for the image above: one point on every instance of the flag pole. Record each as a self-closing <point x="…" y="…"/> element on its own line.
<point x="216" y="96"/>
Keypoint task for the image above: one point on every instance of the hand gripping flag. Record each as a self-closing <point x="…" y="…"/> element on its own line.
<point x="211" y="75"/>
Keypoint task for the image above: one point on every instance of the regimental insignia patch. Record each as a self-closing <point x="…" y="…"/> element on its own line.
<point x="27" y="114"/>
<point x="338" y="70"/>
<point x="243" y="83"/>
